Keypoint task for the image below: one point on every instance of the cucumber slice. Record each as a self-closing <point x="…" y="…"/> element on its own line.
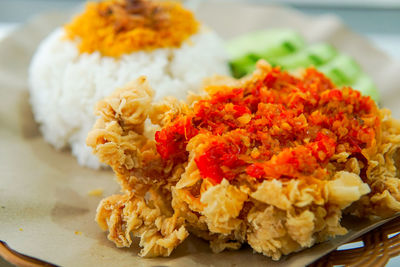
<point x="342" y="70"/>
<point x="244" y="65"/>
<point x="366" y="86"/>
<point x="265" y="44"/>
<point x="321" y="53"/>
<point x="286" y="48"/>
<point x="314" y="55"/>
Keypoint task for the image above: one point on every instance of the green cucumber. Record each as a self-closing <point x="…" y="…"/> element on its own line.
<point x="313" y="55"/>
<point x="265" y="44"/>
<point x="366" y="86"/>
<point x="342" y="70"/>
<point x="244" y="65"/>
<point x="286" y="48"/>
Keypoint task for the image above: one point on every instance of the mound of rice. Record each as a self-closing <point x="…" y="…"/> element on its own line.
<point x="65" y="84"/>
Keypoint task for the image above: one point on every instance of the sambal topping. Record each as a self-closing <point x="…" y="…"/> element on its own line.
<point x="117" y="27"/>
<point x="278" y="127"/>
<point x="172" y="144"/>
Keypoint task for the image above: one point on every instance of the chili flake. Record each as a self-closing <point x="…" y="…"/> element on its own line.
<point x="275" y="127"/>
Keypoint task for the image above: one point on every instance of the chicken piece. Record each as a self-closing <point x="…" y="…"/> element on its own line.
<point x="271" y="160"/>
<point x="124" y="215"/>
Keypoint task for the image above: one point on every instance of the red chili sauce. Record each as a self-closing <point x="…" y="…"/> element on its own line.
<point x="277" y="127"/>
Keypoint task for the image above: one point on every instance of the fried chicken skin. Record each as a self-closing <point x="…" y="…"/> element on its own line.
<point x="272" y="160"/>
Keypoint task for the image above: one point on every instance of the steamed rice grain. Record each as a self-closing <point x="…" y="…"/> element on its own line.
<point x="65" y="84"/>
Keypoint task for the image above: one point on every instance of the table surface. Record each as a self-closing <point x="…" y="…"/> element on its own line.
<point x="379" y="21"/>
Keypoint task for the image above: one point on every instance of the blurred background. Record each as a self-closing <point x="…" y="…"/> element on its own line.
<point x="379" y="20"/>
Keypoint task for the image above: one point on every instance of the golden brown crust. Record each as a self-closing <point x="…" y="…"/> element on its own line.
<point x="275" y="217"/>
<point x="124" y="215"/>
<point x="382" y="173"/>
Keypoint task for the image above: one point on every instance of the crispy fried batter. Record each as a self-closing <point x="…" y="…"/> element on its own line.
<point x="164" y="200"/>
<point x="124" y="215"/>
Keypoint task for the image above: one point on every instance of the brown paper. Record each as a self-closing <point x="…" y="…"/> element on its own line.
<point x="45" y="209"/>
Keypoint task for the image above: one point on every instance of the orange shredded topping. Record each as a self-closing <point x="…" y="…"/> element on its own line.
<point x="117" y="27"/>
<point x="276" y="127"/>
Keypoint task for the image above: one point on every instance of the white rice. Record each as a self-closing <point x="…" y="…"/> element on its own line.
<point x="65" y="85"/>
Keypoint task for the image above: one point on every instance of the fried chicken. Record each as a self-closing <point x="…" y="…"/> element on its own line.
<point x="271" y="160"/>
